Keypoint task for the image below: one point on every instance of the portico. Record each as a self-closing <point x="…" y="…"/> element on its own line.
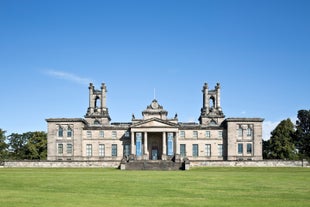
<point x="153" y="144"/>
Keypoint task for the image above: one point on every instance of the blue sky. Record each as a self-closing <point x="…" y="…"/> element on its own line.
<point x="50" y="50"/>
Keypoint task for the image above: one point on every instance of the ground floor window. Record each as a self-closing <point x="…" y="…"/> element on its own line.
<point x="101" y="150"/>
<point x="114" y="150"/>
<point x="208" y="150"/>
<point x="220" y="150"/>
<point x="240" y="148"/>
<point x="89" y="150"/>
<point x="195" y="150"/>
<point x="60" y="148"/>
<point x="69" y="148"/>
<point x="249" y="148"/>
<point x="182" y="150"/>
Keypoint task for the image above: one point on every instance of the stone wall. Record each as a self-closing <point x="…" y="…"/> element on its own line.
<point x="116" y="164"/>
<point x="62" y="164"/>
<point x="260" y="163"/>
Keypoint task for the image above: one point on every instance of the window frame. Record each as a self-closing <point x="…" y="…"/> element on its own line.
<point x="208" y="150"/>
<point x="114" y="150"/>
<point x="195" y="150"/>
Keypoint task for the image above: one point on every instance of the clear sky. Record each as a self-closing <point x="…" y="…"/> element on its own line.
<point x="50" y="50"/>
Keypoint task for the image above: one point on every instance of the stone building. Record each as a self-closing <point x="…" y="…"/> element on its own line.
<point x="154" y="136"/>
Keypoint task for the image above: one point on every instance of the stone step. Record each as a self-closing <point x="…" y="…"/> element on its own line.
<point x="152" y="165"/>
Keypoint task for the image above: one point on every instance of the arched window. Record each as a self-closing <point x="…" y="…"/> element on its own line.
<point x="212" y="123"/>
<point x="96" y="122"/>
<point x="249" y="132"/>
<point x="69" y="132"/>
<point x="240" y="132"/>
<point x="97" y="102"/>
<point x="60" y="131"/>
<point x="212" y="102"/>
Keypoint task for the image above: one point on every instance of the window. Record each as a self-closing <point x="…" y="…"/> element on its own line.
<point x="69" y="148"/>
<point x="60" y="132"/>
<point x="182" y="134"/>
<point x="208" y="134"/>
<point x="220" y="150"/>
<point x="249" y="132"/>
<point x="69" y="132"/>
<point x="183" y="150"/>
<point x="89" y="150"/>
<point x="89" y="135"/>
<point x="249" y="148"/>
<point x="101" y="134"/>
<point x="208" y="150"/>
<point x="195" y="150"/>
<point x="114" y="134"/>
<point x="114" y="150"/>
<point x="240" y="148"/>
<point x="127" y="134"/>
<point x="240" y="132"/>
<point x="60" y="148"/>
<point x="220" y="134"/>
<point x="195" y="134"/>
<point x="101" y="150"/>
<point x="96" y="122"/>
<point x="126" y="149"/>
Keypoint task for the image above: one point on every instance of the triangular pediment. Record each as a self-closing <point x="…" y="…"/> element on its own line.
<point x="154" y="122"/>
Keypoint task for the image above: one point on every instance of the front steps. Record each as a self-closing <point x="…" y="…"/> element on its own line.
<point x="152" y="165"/>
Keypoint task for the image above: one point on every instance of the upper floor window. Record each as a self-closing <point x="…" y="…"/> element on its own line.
<point x="240" y="132"/>
<point x="101" y="134"/>
<point x="114" y="134"/>
<point x="182" y="134"/>
<point x="88" y="133"/>
<point x="60" y="132"/>
<point x="249" y="132"/>
<point x="208" y="134"/>
<point x="195" y="134"/>
<point x="69" y="132"/>
<point x="220" y="134"/>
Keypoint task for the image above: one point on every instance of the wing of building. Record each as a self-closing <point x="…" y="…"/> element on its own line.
<point x="154" y="136"/>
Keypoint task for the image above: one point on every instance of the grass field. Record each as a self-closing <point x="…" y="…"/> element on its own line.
<point x="198" y="187"/>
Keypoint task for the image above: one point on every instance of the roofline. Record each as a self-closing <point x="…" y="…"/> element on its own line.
<point x="235" y="119"/>
<point x="66" y="120"/>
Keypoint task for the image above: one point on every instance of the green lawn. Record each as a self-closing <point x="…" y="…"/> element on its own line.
<point x="197" y="187"/>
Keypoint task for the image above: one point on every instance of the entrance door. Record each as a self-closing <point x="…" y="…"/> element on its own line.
<point x="154" y="153"/>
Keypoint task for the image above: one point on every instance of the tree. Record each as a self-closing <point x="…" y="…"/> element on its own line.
<point x="3" y="145"/>
<point x="29" y="145"/>
<point x="281" y="144"/>
<point x="266" y="149"/>
<point x="17" y="145"/>
<point x="37" y="146"/>
<point x="302" y="134"/>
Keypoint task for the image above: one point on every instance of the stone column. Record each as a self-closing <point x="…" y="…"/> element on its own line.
<point x="103" y="95"/>
<point x="164" y="155"/>
<point x="177" y="149"/>
<point x="133" y="149"/>
<point x="146" y="153"/>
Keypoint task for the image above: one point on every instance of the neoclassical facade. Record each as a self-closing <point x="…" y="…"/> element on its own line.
<point x="154" y="136"/>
